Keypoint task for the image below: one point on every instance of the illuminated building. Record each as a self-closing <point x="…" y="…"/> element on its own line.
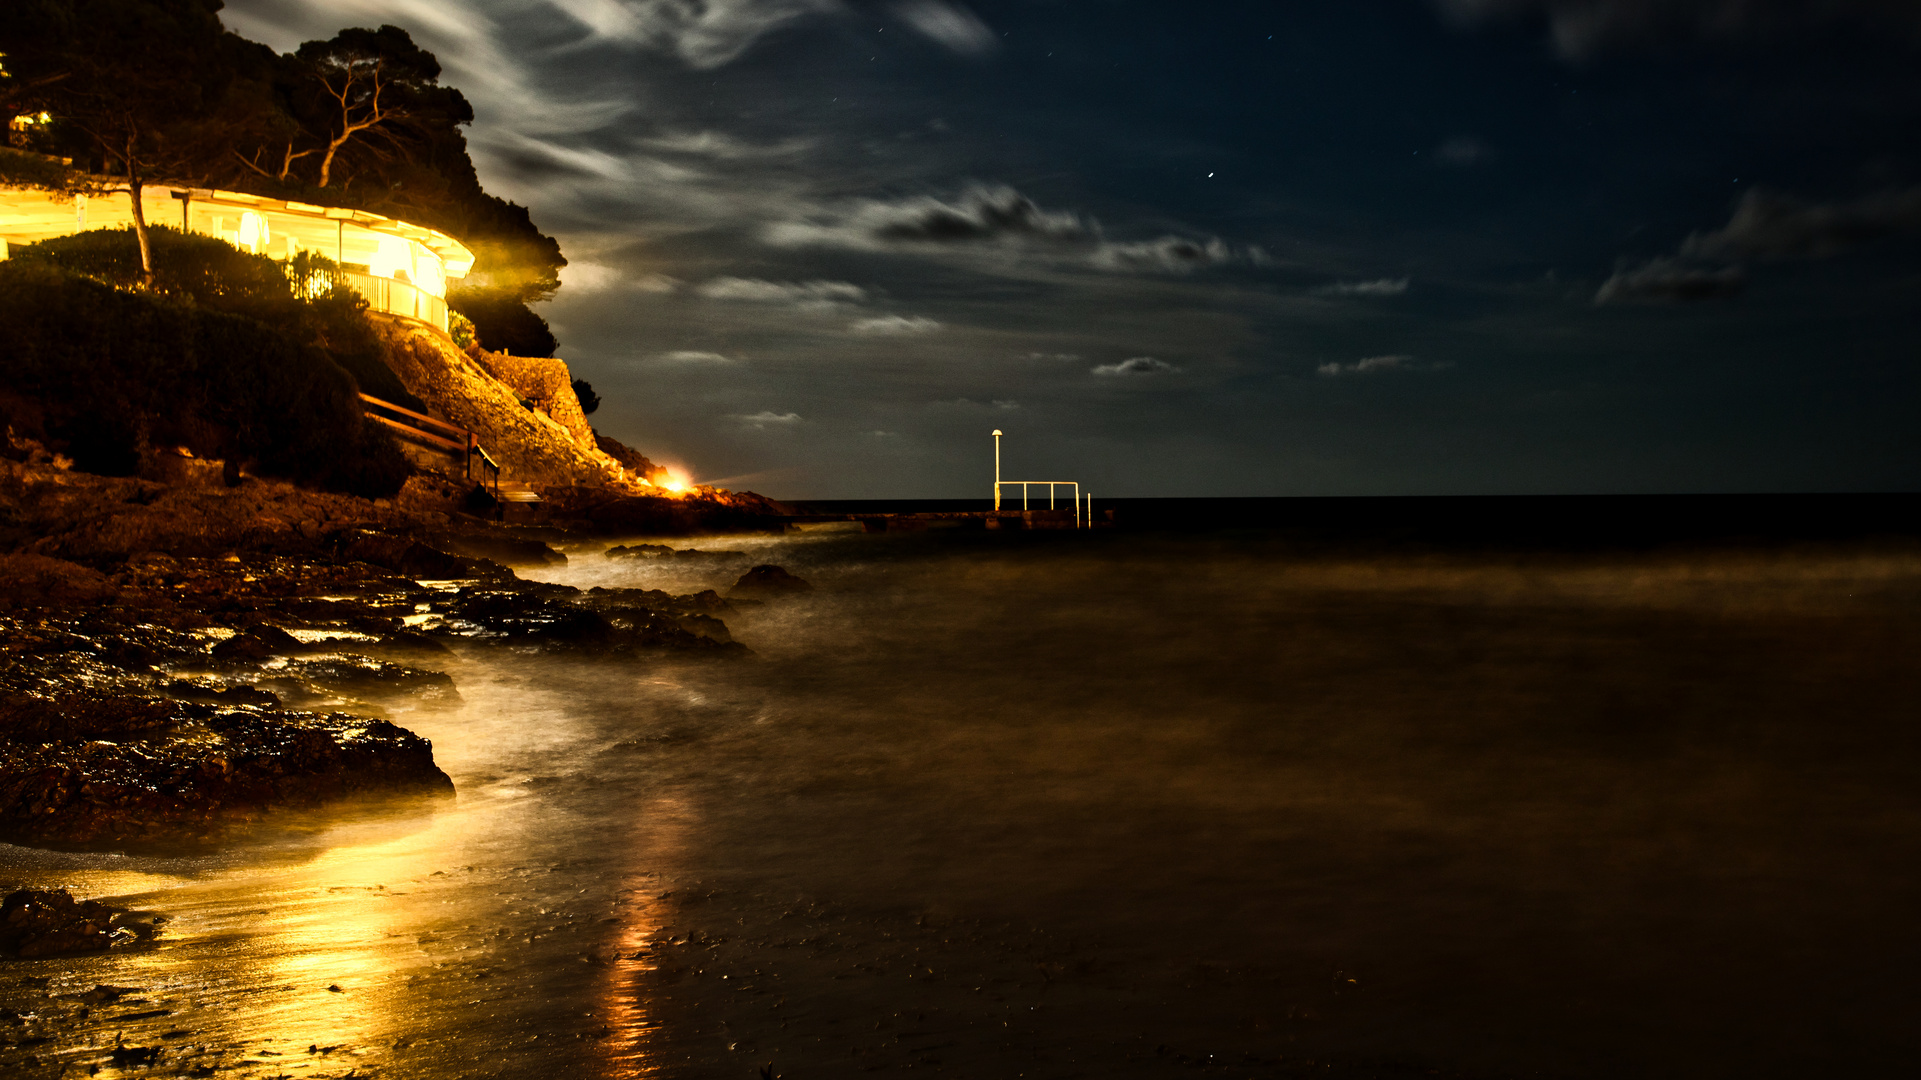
<point x="402" y="269"/>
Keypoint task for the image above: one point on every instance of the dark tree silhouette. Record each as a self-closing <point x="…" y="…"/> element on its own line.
<point x="589" y="401"/>
<point x="143" y="87"/>
<point x="375" y="81"/>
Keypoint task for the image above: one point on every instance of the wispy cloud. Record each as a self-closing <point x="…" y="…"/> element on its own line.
<point x="585" y="277"/>
<point x="980" y="215"/>
<point x="815" y="295"/>
<point x="949" y="24"/>
<point x="894" y="325"/>
<point x="704" y="34"/>
<point x="1000" y="222"/>
<point x="694" y="356"/>
<point x="1377" y="287"/>
<point x="1671" y="279"/>
<point x="1136" y="366"/>
<point x="1369" y="366"/>
<point x="767" y="418"/>
<point x="1168" y="253"/>
<point x="721" y="146"/>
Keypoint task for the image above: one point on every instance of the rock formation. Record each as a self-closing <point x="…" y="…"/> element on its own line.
<point x="529" y="420"/>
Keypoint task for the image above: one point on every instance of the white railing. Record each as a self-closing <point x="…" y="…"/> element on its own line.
<point x="399" y="298"/>
<point x="1051" y="486"/>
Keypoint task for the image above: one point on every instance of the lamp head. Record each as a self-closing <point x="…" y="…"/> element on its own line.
<point x="997" y="433"/>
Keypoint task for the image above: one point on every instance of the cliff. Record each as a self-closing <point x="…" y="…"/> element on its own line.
<point x="522" y="408"/>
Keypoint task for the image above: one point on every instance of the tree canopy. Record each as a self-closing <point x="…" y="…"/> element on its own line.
<point x="158" y="91"/>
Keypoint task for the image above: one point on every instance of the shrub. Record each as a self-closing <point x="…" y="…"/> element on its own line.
<point x="462" y="329"/>
<point x="186" y="266"/>
<point x="113" y="373"/>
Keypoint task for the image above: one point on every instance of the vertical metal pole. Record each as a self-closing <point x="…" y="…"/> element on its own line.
<point x="1023" y="496"/>
<point x="997" y="470"/>
<point x="1050" y="495"/>
<point x="340" y="242"/>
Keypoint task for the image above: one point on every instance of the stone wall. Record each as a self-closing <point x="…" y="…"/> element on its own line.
<point x="547" y="383"/>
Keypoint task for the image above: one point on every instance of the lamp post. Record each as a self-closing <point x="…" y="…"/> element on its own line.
<point x="997" y="470"/>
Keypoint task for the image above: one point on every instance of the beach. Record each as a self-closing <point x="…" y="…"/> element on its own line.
<point x="1108" y="805"/>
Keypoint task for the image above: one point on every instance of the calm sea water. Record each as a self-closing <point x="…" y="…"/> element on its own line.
<point x="1108" y="806"/>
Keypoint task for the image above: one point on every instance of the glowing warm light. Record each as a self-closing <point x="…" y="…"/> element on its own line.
<point x="394" y="255"/>
<point x="427" y="276"/>
<point x="675" y="482"/>
<point x="253" y="230"/>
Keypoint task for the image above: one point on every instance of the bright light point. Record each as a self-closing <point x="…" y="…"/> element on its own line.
<point x="674" y="482"/>
<point x="1210" y="176"/>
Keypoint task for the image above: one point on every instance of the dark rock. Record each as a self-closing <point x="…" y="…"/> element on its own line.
<point x="257" y="644"/>
<point x="365" y="677"/>
<point x="505" y="550"/>
<point x="412" y="643"/>
<point x="697" y="555"/>
<point x="705" y="626"/>
<point x="91" y="770"/>
<point x="769" y="581"/>
<point x="415" y="559"/>
<point x="124" y="1056"/>
<point x="182" y="690"/>
<point x="50" y="922"/>
<point x="640" y="551"/>
<point x="707" y="602"/>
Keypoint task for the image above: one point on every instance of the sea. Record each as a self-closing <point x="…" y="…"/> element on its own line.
<point x="1234" y="788"/>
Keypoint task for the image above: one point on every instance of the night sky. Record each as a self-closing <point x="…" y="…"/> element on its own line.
<point x="1346" y="247"/>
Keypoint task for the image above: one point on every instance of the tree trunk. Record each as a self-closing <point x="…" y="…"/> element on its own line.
<point x="327" y="162"/>
<point x="134" y="186"/>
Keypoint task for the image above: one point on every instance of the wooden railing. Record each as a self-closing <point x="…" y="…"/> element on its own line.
<point x="434" y="432"/>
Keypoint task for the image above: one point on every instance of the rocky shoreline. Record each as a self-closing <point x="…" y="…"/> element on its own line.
<point x="179" y="662"/>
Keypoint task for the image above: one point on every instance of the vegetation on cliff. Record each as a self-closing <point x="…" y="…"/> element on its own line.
<point x="219" y="357"/>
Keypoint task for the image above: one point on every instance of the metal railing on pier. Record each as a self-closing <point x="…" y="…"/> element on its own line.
<point x="1088" y="506"/>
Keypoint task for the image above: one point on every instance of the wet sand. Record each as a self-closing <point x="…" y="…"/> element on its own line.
<point x="1101" y="806"/>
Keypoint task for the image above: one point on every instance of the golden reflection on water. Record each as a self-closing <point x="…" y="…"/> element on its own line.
<point x="631" y="1048"/>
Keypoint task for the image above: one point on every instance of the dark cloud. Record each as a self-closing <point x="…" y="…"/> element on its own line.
<point x="982" y="213"/>
<point x="1766" y="227"/>
<point x="1169" y="253"/>
<point x="1770" y="226"/>
<point x="1671" y="279"/>
<point x="1581" y="28"/>
<point x="1000" y="221"/>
